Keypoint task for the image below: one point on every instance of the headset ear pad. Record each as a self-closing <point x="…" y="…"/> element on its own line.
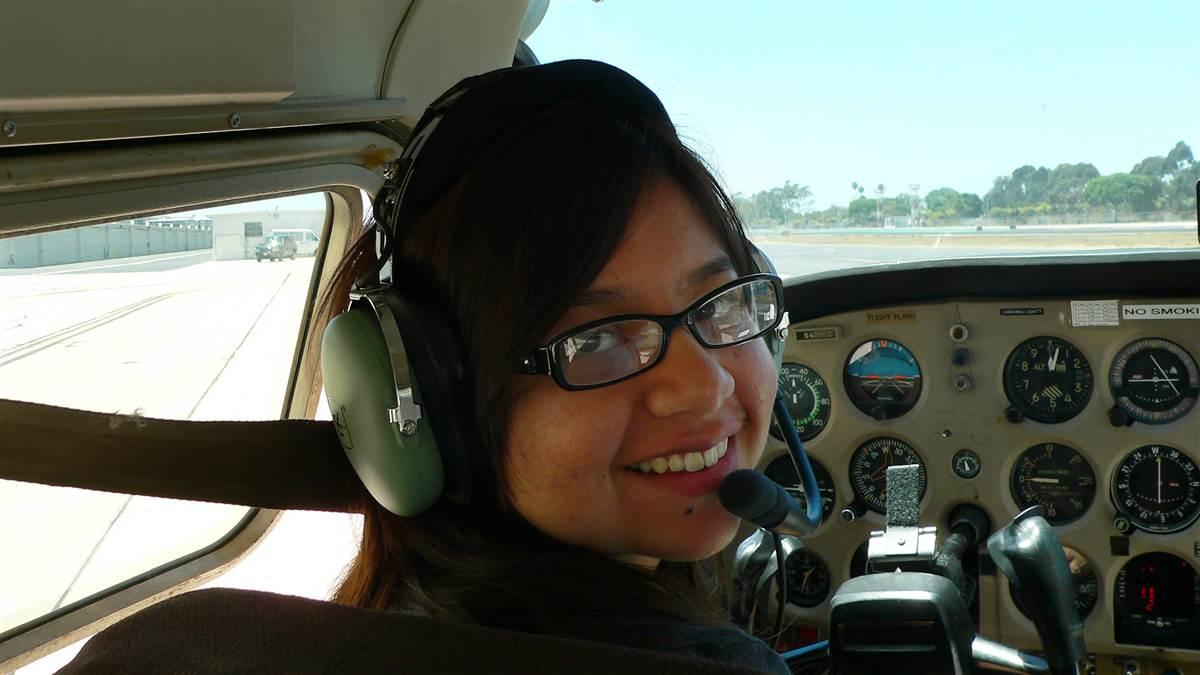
<point x="403" y="473"/>
<point x="438" y="372"/>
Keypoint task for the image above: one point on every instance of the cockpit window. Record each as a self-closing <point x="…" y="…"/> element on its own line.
<point x="165" y="316"/>
<point x="854" y="135"/>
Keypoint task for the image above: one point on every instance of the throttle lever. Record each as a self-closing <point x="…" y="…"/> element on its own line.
<point x="1030" y="555"/>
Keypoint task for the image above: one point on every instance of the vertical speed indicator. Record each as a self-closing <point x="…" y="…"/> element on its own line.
<point x="868" y="470"/>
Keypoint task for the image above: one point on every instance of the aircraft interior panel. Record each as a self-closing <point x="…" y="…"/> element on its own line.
<point x="956" y="386"/>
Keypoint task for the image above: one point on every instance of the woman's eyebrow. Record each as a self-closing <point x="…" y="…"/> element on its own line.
<point x="717" y="266"/>
<point x="720" y="264"/>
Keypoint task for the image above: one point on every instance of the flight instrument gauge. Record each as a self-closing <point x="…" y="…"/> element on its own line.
<point x="868" y="470"/>
<point x="807" y="398"/>
<point x="1158" y="488"/>
<point x="1055" y="477"/>
<point x="1083" y="577"/>
<point x="1154" y="381"/>
<point x="783" y="471"/>
<point x="807" y="579"/>
<point x="883" y="379"/>
<point x="1048" y="379"/>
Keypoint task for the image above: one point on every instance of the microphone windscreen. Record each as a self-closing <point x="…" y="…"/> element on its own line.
<point x="750" y="495"/>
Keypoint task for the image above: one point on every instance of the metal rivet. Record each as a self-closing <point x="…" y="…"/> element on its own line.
<point x="409" y="428"/>
<point x="235" y="120"/>
<point x="10" y="128"/>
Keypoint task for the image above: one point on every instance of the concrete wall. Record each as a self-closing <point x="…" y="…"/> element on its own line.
<point x="98" y="242"/>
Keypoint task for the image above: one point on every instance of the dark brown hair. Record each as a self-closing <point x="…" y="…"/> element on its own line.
<point x="526" y="228"/>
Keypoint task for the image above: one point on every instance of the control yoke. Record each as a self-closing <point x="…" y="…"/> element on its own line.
<point x="913" y="616"/>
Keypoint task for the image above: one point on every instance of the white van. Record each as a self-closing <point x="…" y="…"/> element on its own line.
<point x="306" y="240"/>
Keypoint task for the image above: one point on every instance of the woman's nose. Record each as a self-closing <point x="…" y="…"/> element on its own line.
<point x="691" y="378"/>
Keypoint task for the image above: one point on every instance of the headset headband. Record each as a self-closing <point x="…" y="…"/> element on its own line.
<point x="474" y="112"/>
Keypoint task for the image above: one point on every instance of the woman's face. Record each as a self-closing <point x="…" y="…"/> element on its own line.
<point x="570" y="453"/>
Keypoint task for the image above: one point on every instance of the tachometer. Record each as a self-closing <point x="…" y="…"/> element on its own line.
<point x="883" y="379"/>
<point x="783" y="471"/>
<point x="1154" y="381"/>
<point x="807" y="398"/>
<point x="1048" y="379"/>
<point x="1158" y="488"/>
<point x="807" y="579"/>
<point x="868" y="469"/>
<point x="1055" y="477"/>
<point x="1087" y="587"/>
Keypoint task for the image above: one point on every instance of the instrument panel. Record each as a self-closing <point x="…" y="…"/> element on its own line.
<point x="1084" y="406"/>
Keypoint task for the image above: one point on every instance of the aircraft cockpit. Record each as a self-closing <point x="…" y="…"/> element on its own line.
<point x="984" y="450"/>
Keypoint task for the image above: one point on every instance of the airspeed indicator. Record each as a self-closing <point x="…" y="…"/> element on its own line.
<point x="807" y="398"/>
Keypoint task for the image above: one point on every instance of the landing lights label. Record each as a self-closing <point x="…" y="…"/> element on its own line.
<point x="1142" y="312"/>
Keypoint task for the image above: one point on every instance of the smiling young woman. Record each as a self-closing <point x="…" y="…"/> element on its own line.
<point x="602" y="517"/>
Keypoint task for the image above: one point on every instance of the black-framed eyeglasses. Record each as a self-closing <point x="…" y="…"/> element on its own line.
<point x="616" y="348"/>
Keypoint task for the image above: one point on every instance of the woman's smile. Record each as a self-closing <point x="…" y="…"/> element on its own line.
<point x="690" y="474"/>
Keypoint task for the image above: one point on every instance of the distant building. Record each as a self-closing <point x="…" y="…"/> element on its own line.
<point x="236" y="234"/>
<point x="192" y="222"/>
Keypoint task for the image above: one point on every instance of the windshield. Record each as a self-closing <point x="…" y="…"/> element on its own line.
<point x="853" y="134"/>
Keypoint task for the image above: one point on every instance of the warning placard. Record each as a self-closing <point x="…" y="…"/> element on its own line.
<point x="1141" y="312"/>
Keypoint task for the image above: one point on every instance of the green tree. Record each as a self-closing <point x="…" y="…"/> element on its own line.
<point x="1173" y="192"/>
<point x="943" y="200"/>
<point x="862" y="210"/>
<point x="949" y="203"/>
<point x="1180" y="193"/>
<point x="970" y="205"/>
<point x="784" y="202"/>
<point x="1122" y="191"/>
<point x="1067" y="181"/>
<point x="1181" y="156"/>
<point x="1026" y="185"/>
<point x="1153" y="167"/>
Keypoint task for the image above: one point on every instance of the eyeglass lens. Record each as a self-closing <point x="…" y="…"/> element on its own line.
<point x="611" y="351"/>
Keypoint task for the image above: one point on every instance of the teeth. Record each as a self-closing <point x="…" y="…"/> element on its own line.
<point x="690" y="461"/>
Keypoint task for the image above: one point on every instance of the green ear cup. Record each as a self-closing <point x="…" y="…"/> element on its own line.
<point x="403" y="473"/>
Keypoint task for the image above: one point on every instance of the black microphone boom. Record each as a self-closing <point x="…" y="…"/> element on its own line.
<point x="752" y="496"/>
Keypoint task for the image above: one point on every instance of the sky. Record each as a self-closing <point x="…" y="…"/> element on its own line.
<point x="937" y="94"/>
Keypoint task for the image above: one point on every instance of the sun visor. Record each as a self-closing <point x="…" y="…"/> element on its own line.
<point x="279" y="464"/>
<point x="75" y="55"/>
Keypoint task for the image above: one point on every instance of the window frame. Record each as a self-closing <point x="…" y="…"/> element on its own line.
<point x="77" y="188"/>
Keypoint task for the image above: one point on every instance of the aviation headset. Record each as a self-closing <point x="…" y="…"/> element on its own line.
<point x="393" y="369"/>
